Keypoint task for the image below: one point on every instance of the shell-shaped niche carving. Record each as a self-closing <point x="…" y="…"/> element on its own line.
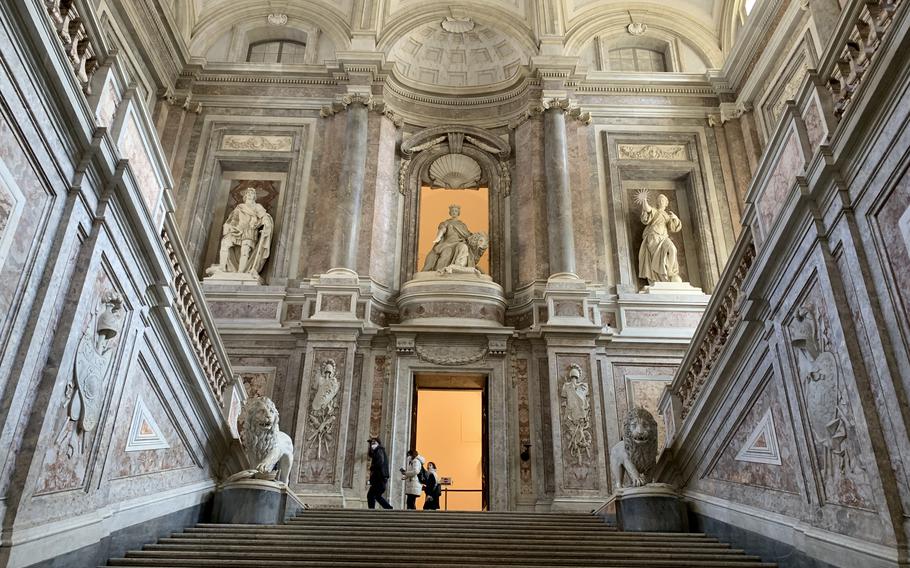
<point x="455" y="171"/>
<point x="457" y="25"/>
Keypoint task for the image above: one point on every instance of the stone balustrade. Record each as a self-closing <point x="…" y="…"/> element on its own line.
<point x="191" y="308"/>
<point x="858" y="49"/>
<point x="720" y="319"/>
<point x="74" y="38"/>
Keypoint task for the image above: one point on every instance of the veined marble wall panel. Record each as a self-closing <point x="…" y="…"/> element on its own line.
<point x="774" y="469"/>
<point x="528" y="203"/>
<point x="157" y="421"/>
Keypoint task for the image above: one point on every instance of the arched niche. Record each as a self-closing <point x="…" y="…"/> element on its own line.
<point x="490" y="152"/>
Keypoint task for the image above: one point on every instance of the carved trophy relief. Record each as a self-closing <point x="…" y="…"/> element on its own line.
<point x="827" y="404"/>
<point x="323" y="417"/>
<point x="576" y="417"/>
<point x="456" y="249"/>
<point x="84" y="395"/>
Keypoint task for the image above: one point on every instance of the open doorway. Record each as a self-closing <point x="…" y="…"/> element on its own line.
<point x="449" y="428"/>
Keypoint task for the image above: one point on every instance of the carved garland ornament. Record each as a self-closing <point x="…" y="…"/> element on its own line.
<point x="454" y="355"/>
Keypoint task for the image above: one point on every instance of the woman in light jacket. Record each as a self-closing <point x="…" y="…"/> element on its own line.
<point x="412" y="485"/>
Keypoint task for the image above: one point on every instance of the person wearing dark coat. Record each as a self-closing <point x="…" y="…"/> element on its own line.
<point x="432" y="488"/>
<point x="379" y="475"/>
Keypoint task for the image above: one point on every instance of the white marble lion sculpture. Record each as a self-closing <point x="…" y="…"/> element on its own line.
<point x="636" y="454"/>
<point x="263" y="443"/>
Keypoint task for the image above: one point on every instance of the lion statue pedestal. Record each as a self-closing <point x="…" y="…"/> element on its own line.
<point x="638" y="504"/>
<point x="259" y="494"/>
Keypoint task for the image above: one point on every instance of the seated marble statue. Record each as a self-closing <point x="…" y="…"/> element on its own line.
<point x="245" y="241"/>
<point x="657" y="258"/>
<point x="456" y="249"/>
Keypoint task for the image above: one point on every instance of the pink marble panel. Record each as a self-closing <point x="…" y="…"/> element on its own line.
<point x="783" y="177"/>
<point x="529" y="215"/>
<point x="760" y="475"/>
<point x="655" y="318"/>
<point x="132" y="146"/>
<point x="125" y="464"/>
<point x="243" y="310"/>
<point x="815" y="124"/>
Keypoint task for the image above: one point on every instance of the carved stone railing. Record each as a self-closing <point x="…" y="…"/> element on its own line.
<point x="858" y="48"/>
<point x="74" y="37"/>
<point x="190" y="306"/>
<point x="711" y="338"/>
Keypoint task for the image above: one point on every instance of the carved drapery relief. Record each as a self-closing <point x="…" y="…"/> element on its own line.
<point x="826" y="402"/>
<point x="713" y="342"/>
<point x="451" y="355"/>
<point x="668" y="152"/>
<point x="252" y="143"/>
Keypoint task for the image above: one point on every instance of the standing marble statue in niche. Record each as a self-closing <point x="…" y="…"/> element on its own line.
<point x="246" y="239"/>
<point x="455" y="248"/>
<point x="657" y="258"/>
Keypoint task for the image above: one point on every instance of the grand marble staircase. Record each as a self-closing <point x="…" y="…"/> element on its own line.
<point x="351" y="538"/>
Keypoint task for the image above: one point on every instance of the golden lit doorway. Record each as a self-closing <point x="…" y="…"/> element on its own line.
<point x="449" y="429"/>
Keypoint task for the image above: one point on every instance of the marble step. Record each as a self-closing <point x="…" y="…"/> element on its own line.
<point x="226" y="533"/>
<point x="304" y="562"/>
<point x="407" y="540"/>
<point x="381" y="547"/>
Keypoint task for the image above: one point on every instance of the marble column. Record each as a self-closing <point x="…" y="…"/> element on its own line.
<point x="350" y="185"/>
<point x="559" y="197"/>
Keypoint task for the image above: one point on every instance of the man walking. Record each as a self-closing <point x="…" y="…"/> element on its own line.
<point x="379" y="475"/>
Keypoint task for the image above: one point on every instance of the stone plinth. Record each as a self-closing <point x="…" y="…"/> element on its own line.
<point x="254" y="502"/>
<point x="241" y="278"/>
<point x="671" y="288"/>
<point x="656" y="507"/>
<point x="452" y="299"/>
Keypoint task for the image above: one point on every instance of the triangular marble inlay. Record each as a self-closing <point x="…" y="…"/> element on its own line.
<point x="761" y="446"/>
<point x="144" y="431"/>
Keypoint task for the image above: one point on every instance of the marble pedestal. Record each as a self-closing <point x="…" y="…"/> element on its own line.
<point x="671" y="288"/>
<point x="236" y="278"/>
<point x="254" y="502"/>
<point x="653" y="508"/>
<point x="452" y="299"/>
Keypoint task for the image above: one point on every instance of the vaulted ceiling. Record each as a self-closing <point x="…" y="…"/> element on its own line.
<point x="510" y="30"/>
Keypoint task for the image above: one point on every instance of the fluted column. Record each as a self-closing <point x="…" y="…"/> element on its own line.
<point x="561" y="237"/>
<point x="350" y="184"/>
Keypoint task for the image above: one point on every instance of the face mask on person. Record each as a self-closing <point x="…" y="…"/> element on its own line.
<point x="374" y="445"/>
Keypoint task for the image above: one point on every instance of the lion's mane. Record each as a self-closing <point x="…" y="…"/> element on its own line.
<point x="258" y="440"/>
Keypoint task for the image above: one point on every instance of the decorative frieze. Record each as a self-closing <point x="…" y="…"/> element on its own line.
<point x="668" y="152"/>
<point x="251" y="143"/>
